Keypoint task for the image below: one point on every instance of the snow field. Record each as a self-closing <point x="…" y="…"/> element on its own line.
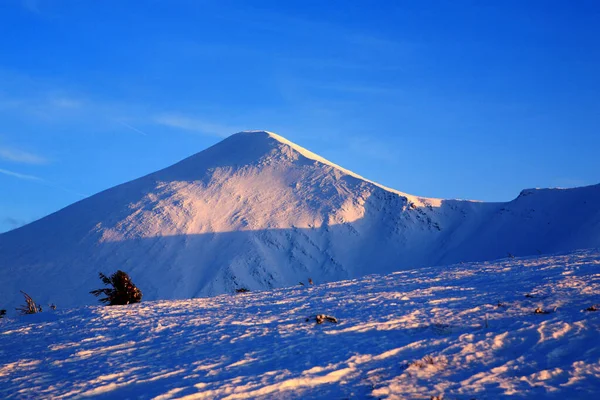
<point x="412" y="334"/>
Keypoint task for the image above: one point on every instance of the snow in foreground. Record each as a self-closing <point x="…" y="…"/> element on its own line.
<point x="412" y="334"/>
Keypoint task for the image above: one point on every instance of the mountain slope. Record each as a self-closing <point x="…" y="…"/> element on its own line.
<point x="415" y="334"/>
<point x="258" y="211"/>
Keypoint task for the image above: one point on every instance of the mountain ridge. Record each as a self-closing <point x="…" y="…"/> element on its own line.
<point x="259" y="211"/>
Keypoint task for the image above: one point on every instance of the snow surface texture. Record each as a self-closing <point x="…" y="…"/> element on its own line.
<point x="412" y="334"/>
<point x="258" y="211"/>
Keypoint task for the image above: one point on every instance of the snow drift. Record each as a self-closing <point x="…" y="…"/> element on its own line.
<point x="258" y="211"/>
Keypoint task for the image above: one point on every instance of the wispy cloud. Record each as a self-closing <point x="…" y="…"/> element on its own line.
<point x="126" y="125"/>
<point x="42" y="106"/>
<point x="20" y="156"/>
<point x="196" y="125"/>
<point x="20" y="176"/>
<point x="41" y="181"/>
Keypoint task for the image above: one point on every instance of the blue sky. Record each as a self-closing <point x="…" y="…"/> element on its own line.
<point x="452" y="99"/>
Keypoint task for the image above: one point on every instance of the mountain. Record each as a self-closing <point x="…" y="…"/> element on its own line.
<point x="258" y="211"/>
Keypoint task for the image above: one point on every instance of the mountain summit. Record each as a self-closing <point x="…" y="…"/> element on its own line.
<point x="259" y="211"/>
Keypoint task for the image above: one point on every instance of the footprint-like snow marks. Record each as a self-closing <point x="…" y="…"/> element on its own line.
<point x="259" y="344"/>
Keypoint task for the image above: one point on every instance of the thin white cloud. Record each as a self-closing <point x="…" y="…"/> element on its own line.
<point x="196" y="125"/>
<point x="20" y="156"/>
<point x="41" y="181"/>
<point x="126" y="125"/>
<point x="45" y="107"/>
<point x="20" y="176"/>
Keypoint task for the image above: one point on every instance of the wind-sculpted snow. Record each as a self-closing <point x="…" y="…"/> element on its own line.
<point x="463" y="331"/>
<point x="258" y="211"/>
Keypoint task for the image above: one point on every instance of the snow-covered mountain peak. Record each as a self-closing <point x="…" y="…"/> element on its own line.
<point x="264" y="149"/>
<point x="253" y="147"/>
<point x="259" y="211"/>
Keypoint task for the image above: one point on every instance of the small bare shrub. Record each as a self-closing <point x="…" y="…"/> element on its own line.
<point x="29" y="307"/>
<point x="429" y="360"/>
